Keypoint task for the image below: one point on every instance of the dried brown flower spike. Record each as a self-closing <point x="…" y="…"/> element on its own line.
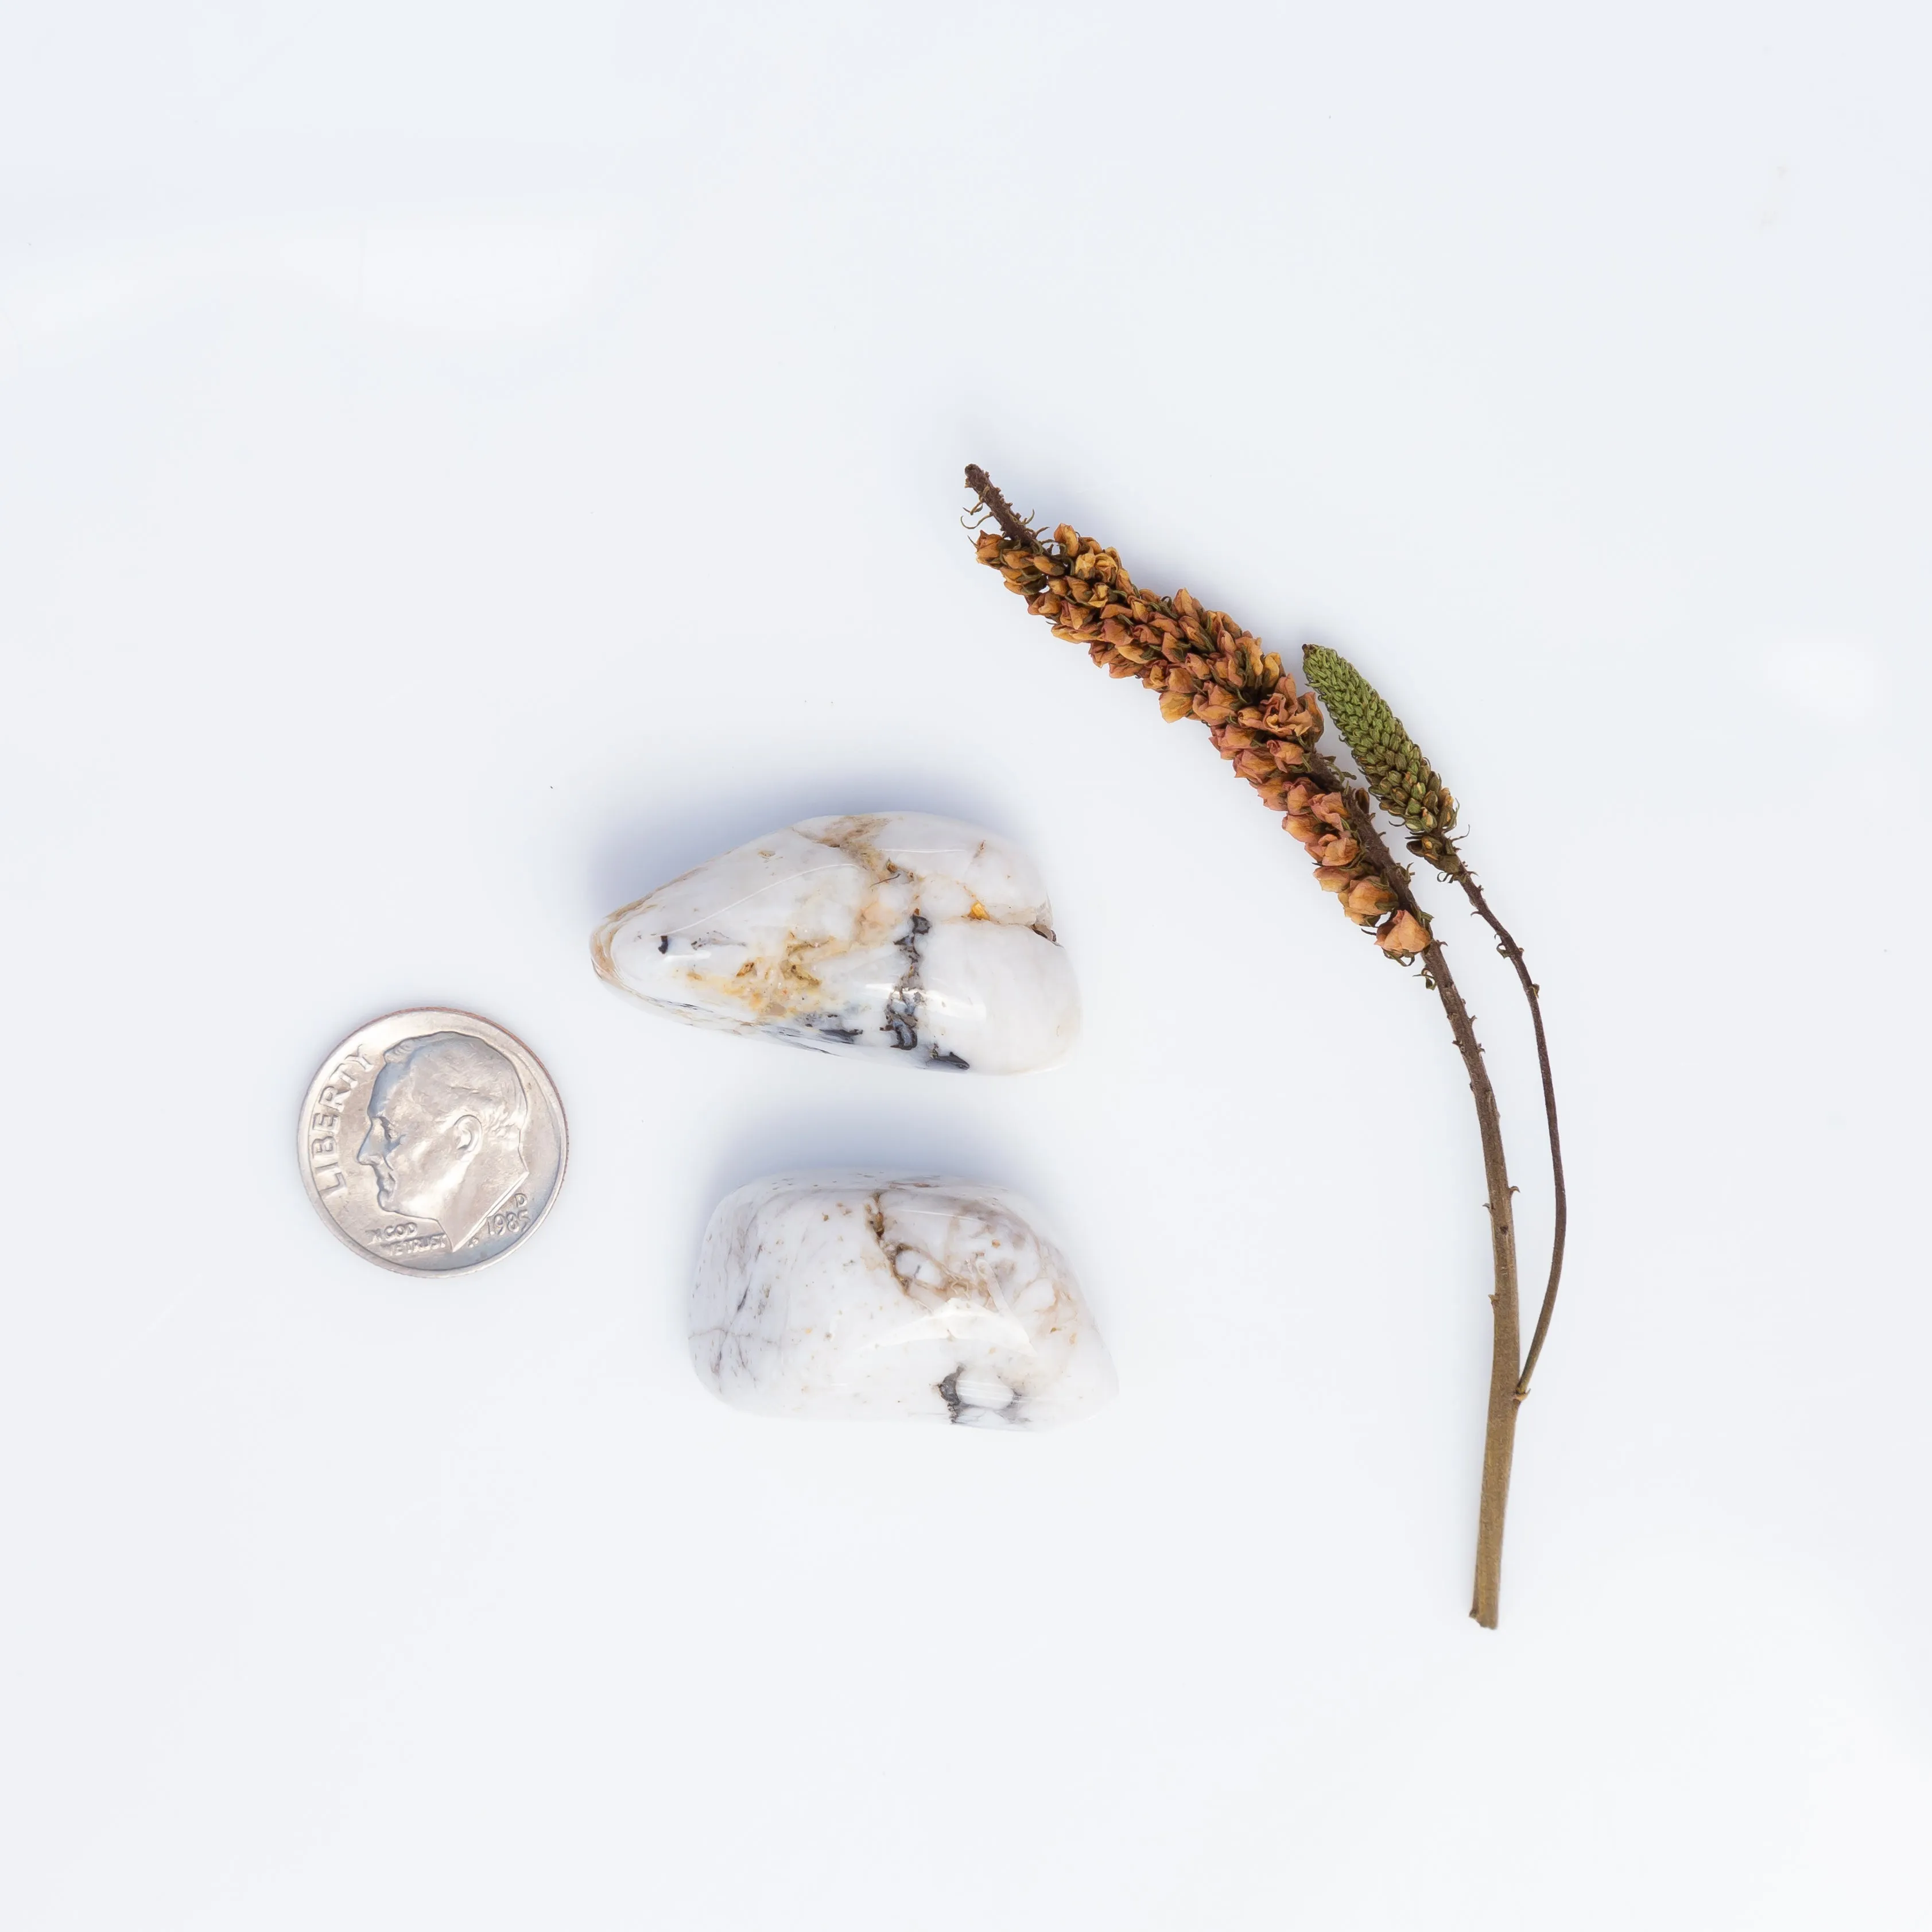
<point x="1205" y="665"/>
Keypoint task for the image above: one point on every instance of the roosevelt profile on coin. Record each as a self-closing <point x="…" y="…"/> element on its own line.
<point x="446" y="1141"/>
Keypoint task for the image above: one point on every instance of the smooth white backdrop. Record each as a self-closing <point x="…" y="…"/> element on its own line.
<point x="461" y="465"/>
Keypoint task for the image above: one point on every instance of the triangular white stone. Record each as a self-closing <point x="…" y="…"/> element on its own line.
<point x="896" y="934"/>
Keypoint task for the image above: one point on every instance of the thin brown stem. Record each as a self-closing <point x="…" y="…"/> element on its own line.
<point x="1013" y="526"/>
<point x="1508" y="947"/>
<point x="1499" y="1434"/>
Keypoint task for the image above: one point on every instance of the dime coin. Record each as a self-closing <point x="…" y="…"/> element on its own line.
<point x="432" y="1141"/>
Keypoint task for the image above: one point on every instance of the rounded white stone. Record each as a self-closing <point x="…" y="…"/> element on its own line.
<point x="861" y="1296"/>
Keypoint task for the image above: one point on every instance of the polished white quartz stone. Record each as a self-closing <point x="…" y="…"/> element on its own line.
<point x="894" y="933"/>
<point x="857" y="1295"/>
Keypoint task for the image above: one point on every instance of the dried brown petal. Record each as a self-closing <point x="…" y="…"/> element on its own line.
<point x="1403" y="937"/>
<point x="1369" y="898"/>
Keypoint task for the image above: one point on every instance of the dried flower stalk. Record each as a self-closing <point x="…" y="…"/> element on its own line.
<point x="1206" y="666"/>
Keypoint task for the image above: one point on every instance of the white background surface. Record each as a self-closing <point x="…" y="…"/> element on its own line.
<point x="462" y="465"/>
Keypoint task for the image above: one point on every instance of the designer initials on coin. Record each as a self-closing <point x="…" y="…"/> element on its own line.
<point x="432" y="1140"/>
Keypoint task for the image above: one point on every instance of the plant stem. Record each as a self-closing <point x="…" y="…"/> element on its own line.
<point x="1013" y="526"/>
<point x="1509" y="1376"/>
<point x="1512" y="952"/>
<point x="1499" y="1436"/>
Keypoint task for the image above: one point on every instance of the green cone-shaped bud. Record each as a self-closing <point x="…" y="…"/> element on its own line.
<point x="1397" y="773"/>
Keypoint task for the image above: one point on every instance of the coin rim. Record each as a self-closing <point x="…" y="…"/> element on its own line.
<point x="368" y="1254"/>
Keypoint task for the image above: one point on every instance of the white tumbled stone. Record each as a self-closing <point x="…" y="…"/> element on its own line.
<point x="893" y="933"/>
<point x="855" y="1295"/>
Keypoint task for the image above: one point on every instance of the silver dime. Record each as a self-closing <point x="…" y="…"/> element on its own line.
<point x="431" y="1141"/>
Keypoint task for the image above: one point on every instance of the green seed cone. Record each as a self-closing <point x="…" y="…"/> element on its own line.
<point x="1397" y="773"/>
